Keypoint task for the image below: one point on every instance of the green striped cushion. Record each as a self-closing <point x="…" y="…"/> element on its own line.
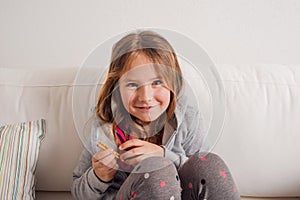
<point x="19" y="149"/>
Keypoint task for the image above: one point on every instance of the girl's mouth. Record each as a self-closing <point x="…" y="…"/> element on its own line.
<point x="144" y="108"/>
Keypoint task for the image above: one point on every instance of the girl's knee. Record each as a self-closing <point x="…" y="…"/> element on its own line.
<point x="207" y="172"/>
<point x="155" y="178"/>
<point x="202" y="167"/>
<point x="205" y="159"/>
<point x="206" y="155"/>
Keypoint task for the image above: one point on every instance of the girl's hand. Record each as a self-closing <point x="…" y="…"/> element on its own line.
<point x="105" y="165"/>
<point x="137" y="150"/>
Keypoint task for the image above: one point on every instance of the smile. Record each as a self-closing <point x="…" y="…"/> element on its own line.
<point x="144" y="108"/>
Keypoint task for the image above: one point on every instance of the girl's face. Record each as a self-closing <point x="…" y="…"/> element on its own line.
<point x="143" y="91"/>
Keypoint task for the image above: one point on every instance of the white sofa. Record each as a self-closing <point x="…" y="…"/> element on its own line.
<point x="259" y="142"/>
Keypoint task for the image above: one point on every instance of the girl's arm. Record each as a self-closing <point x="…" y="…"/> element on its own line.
<point x="86" y="185"/>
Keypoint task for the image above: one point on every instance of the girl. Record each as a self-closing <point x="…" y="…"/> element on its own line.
<point x="158" y="134"/>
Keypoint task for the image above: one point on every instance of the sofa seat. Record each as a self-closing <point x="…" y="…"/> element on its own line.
<point x="50" y="195"/>
<point x="67" y="196"/>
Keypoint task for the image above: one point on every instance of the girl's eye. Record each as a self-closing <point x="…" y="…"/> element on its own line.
<point x="157" y="82"/>
<point x="132" y="85"/>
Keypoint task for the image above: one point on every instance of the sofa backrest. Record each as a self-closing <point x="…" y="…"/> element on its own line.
<point x="33" y="94"/>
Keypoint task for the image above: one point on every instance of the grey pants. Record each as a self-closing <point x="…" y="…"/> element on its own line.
<point x="203" y="176"/>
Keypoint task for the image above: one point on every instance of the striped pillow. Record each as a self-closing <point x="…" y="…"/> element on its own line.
<point x="19" y="149"/>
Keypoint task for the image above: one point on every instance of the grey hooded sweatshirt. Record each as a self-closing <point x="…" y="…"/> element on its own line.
<point x="181" y="139"/>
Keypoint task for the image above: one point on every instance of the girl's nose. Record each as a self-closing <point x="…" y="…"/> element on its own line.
<point x="145" y="93"/>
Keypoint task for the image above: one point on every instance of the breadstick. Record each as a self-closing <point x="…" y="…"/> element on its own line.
<point x="103" y="146"/>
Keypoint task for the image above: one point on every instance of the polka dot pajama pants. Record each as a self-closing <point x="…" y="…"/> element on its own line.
<point x="203" y="176"/>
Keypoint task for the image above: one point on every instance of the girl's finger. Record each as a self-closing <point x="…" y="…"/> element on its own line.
<point x="107" y="160"/>
<point x="131" y="143"/>
<point x="107" y="169"/>
<point x="136" y="160"/>
<point x="134" y="152"/>
<point x="109" y="165"/>
<point x="102" y="154"/>
<point x="113" y="167"/>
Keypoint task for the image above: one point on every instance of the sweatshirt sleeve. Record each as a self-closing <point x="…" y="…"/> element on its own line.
<point x="177" y="158"/>
<point x="197" y="132"/>
<point x="189" y="140"/>
<point x="86" y="185"/>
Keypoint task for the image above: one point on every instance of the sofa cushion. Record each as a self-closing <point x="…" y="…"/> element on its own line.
<point x="260" y="139"/>
<point x="19" y="150"/>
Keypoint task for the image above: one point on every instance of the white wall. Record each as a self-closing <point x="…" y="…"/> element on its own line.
<point x="57" y="33"/>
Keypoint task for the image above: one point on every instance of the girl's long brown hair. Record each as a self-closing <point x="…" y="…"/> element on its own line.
<point x="157" y="49"/>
